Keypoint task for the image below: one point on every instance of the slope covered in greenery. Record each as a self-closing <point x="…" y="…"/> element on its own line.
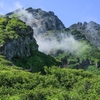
<point x="83" y="57"/>
<point x="57" y="83"/>
<point x="54" y="83"/>
<point x="8" y="28"/>
<point x="13" y="31"/>
<point x="36" y="62"/>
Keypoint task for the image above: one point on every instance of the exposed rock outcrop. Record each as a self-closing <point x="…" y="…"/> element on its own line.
<point x="22" y="45"/>
<point x="41" y="21"/>
<point x="45" y="21"/>
<point x="91" y="31"/>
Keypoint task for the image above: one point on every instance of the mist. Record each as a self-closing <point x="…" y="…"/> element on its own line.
<point x="24" y="15"/>
<point x="64" y="42"/>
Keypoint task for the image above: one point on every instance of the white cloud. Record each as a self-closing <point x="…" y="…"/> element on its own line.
<point x="67" y="43"/>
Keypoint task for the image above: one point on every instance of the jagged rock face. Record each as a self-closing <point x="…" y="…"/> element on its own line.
<point x="23" y="45"/>
<point x="41" y="21"/>
<point x="45" y="21"/>
<point x="91" y="31"/>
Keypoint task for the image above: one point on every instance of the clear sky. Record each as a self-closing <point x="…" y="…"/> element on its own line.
<point x="68" y="11"/>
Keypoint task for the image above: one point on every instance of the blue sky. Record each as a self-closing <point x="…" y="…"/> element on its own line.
<point x="68" y="11"/>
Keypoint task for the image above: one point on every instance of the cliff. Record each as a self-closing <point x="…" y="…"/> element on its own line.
<point x="17" y="44"/>
<point x="41" y="21"/>
<point x="80" y="40"/>
<point x="90" y="30"/>
<point x="16" y="38"/>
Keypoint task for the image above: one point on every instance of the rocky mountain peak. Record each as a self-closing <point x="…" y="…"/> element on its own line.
<point x="44" y="21"/>
<point x="41" y="21"/>
<point x="91" y="31"/>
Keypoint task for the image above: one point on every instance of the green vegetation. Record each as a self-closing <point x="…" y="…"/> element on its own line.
<point x="10" y="27"/>
<point x="35" y="62"/>
<point x="85" y="56"/>
<point x="38" y="77"/>
<point x="16" y="24"/>
<point x="78" y="35"/>
<point x="4" y="62"/>
<point x="57" y="83"/>
<point x="6" y="31"/>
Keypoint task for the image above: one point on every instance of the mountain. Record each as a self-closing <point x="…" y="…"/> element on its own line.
<point x="77" y="45"/>
<point x="13" y="33"/>
<point x="18" y="45"/>
<point x="41" y="21"/>
<point x="90" y="30"/>
<point x="26" y="73"/>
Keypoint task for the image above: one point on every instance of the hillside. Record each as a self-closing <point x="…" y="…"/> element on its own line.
<point x="40" y="59"/>
<point x="77" y="44"/>
<point x="57" y="83"/>
<point x="19" y="45"/>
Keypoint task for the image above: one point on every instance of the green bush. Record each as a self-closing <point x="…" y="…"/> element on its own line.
<point x="35" y="62"/>
<point x="57" y="83"/>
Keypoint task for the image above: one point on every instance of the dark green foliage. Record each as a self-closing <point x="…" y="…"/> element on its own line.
<point x="79" y="57"/>
<point x="94" y="69"/>
<point x="35" y="62"/>
<point x="60" y="84"/>
<point x="78" y="35"/>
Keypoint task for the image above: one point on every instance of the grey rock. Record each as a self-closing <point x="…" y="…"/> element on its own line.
<point x="20" y="47"/>
<point x="41" y="21"/>
<point x="91" y="31"/>
<point x="45" y="21"/>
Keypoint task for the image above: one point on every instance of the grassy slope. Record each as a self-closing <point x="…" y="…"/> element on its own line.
<point x="57" y="83"/>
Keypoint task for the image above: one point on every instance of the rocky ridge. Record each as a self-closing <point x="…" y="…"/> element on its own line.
<point x="23" y="44"/>
<point x="47" y="28"/>
<point x="41" y="21"/>
<point x="90" y="30"/>
<point x="47" y="20"/>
